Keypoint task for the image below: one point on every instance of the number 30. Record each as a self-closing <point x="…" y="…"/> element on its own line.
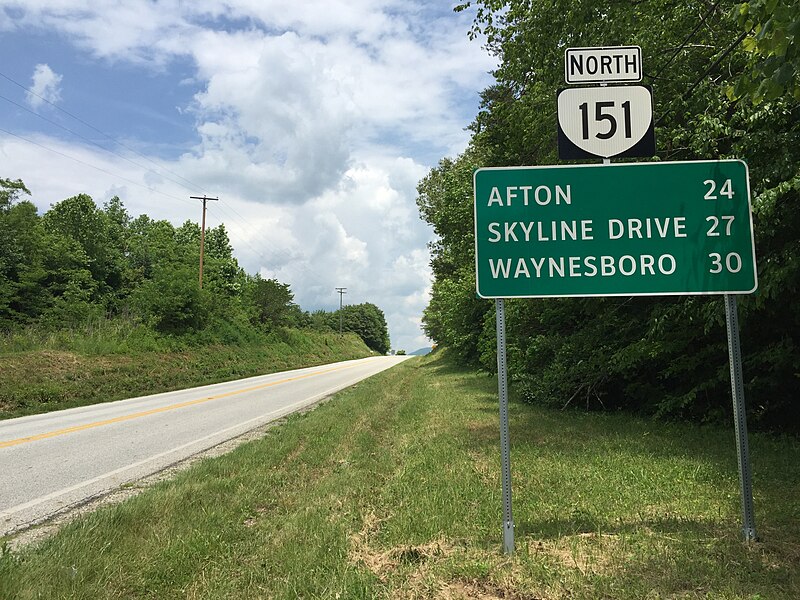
<point x="733" y="263"/>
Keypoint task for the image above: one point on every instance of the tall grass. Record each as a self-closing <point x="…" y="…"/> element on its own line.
<point x="106" y="360"/>
<point x="96" y="336"/>
<point x="391" y="490"/>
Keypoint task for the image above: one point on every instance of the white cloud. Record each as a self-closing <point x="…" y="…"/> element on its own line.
<point x="46" y="86"/>
<point x="316" y="120"/>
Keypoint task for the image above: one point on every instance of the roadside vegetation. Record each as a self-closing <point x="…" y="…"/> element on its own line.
<point x="726" y="84"/>
<point x="78" y="267"/>
<point x="79" y="263"/>
<point x="97" y="305"/>
<point x="63" y="369"/>
<point x="391" y="490"/>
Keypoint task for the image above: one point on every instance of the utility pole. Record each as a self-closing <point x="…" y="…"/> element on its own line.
<point x="202" y="232"/>
<point x="341" y="291"/>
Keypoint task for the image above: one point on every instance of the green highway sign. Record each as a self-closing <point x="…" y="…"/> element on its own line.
<point x="660" y="228"/>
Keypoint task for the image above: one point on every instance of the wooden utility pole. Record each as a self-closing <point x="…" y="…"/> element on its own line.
<point x="341" y="292"/>
<point x="202" y="232"/>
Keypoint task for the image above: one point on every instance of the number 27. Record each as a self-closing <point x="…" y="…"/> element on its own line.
<point x="712" y="231"/>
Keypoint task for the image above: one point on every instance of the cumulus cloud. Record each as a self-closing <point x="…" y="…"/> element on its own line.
<point x="316" y="120"/>
<point x="46" y="86"/>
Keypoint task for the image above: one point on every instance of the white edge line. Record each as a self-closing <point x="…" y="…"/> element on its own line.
<point x="265" y="418"/>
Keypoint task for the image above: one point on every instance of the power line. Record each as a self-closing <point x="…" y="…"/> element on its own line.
<point x="686" y="41"/>
<point x="242" y="223"/>
<point x="93" y="128"/>
<point x="258" y="252"/>
<point x="102" y="170"/>
<point x="75" y="133"/>
<point x="245" y="227"/>
<point x="239" y="223"/>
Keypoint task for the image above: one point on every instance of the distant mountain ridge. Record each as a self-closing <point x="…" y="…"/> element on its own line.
<point x="421" y="351"/>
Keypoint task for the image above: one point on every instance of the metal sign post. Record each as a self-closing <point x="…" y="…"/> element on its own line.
<point x="505" y="446"/>
<point x="740" y="418"/>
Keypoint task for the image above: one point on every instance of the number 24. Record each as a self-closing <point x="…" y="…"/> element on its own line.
<point x="725" y="190"/>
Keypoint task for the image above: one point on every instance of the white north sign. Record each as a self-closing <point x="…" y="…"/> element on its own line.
<point x="603" y="64"/>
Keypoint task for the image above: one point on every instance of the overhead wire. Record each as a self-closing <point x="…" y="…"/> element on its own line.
<point x="194" y="186"/>
<point x="119" y="177"/>
<point x="248" y="229"/>
<point x="86" y="139"/>
<point x="101" y="169"/>
<point x="101" y="132"/>
<point x="238" y="221"/>
<point x="106" y="171"/>
<point x="686" y="41"/>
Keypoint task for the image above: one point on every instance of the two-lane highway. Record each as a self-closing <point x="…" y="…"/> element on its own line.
<point x="53" y="461"/>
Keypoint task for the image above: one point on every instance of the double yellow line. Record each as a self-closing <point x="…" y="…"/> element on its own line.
<point x="154" y="411"/>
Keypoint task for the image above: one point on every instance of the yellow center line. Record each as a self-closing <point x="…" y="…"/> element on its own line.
<point x="144" y="413"/>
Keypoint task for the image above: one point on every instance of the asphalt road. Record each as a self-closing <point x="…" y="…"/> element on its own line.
<point x="55" y="461"/>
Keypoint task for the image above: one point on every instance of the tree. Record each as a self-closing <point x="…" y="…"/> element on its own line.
<point x="172" y="301"/>
<point x="270" y="301"/>
<point x="151" y="244"/>
<point x="78" y="262"/>
<point x="654" y="355"/>
<point x="454" y="316"/>
<point x="10" y="191"/>
<point x="19" y="238"/>
<point x="773" y="44"/>
<point x="80" y="220"/>
<point x="368" y="321"/>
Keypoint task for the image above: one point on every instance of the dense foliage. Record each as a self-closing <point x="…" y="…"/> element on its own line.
<point x="79" y="262"/>
<point x="725" y="85"/>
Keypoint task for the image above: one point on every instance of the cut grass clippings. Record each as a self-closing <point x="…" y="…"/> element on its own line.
<point x="392" y="490"/>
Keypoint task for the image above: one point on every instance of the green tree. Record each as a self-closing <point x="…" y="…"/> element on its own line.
<point x="79" y="219"/>
<point x="19" y="239"/>
<point x="368" y="321"/>
<point x="773" y="67"/>
<point x="271" y="302"/>
<point x="150" y="244"/>
<point x="172" y="301"/>
<point x="654" y="355"/>
<point x="10" y="190"/>
<point x="455" y="316"/>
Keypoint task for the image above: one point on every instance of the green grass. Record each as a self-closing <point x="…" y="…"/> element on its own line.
<point x="391" y="490"/>
<point x="84" y="372"/>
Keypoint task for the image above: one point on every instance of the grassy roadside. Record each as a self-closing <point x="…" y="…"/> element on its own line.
<point x="36" y="381"/>
<point x="391" y="491"/>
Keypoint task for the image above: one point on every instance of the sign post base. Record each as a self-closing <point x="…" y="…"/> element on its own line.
<point x="505" y="446"/>
<point x="740" y="419"/>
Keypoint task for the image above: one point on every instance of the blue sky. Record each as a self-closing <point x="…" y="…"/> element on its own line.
<point x="312" y="121"/>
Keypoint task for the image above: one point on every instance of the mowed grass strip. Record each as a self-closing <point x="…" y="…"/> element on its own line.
<point x="391" y="490"/>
